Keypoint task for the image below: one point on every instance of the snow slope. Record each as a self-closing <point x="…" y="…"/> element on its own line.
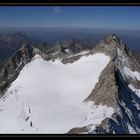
<point x="78" y="54"/>
<point x="128" y="72"/>
<point x="47" y="97"/>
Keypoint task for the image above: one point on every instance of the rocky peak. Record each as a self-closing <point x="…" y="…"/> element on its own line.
<point x="106" y="90"/>
<point x="25" y="52"/>
<point x="113" y="89"/>
<point x="112" y="37"/>
<point x="10" y="69"/>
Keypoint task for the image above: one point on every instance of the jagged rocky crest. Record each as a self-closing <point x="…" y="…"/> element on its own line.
<point x="113" y="88"/>
<point x="106" y="89"/>
<point x="62" y="50"/>
<point x="126" y="119"/>
<point x="11" y="68"/>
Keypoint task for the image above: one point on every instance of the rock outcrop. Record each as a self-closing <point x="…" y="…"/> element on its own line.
<point x="113" y="89"/>
<point x="106" y="90"/>
<point x="10" y="69"/>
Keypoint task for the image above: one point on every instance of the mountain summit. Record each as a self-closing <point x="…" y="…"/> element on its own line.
<point x="68" y="87"/>
<point x="118" y="87"/>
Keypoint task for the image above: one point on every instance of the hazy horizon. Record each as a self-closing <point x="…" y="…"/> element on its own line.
<point x="103" y="17"/>
<point x="52" y="35"/>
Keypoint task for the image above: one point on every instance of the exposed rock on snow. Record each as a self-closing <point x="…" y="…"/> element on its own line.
<point x="118" y="87"/>
<point x="12" y="67"/>
<point x="55" y="93"/>
<point x="70" y="89"/>
<point x="115" y="88"/>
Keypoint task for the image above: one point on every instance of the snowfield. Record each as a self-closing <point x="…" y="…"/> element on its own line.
<point x="47" y="97"/>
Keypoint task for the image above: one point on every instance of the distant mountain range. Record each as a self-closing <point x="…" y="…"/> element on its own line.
<point x="10" y="42"/>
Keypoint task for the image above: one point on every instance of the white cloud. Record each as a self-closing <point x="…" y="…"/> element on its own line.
<point x="57" y="10"/>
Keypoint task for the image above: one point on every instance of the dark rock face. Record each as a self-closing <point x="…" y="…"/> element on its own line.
<point x="113" y="89"/>
<point x="127" y="119"/>
<point x="106" y="90"/>
<point x="78" y="130"/>
<point x="10" y="69"/>
<point x="74" y="46"/>
<point x="62" y="50"/>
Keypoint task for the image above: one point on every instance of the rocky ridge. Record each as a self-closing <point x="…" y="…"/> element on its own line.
<point x="113" y="90"/>
<point x="11" y="68"/>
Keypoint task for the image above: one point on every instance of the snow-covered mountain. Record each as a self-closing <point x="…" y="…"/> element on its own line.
<point x="70" y="88"/>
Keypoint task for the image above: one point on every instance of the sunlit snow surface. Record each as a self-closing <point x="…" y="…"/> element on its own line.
<point x="47" y="97"/>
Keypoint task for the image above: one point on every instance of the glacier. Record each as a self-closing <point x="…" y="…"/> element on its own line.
<point x="48" y="96"/>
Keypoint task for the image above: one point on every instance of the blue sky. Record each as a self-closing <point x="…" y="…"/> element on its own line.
<point x="116" y="17"/>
